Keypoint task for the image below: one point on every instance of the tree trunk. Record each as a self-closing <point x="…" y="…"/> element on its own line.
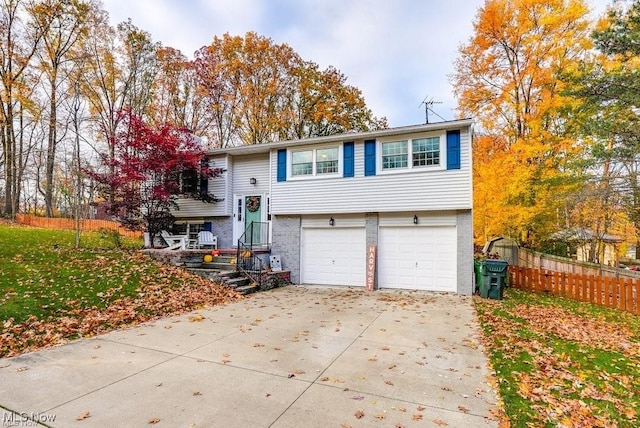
<point x="51" y="152"/>
<point x="9" y="162"/>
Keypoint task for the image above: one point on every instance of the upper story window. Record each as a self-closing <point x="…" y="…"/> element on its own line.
<point x="189" y="181"/>
<point x="315" y="162"/>
<point x="412" y="153"/>
<point x="302" y="163"/>
<point x="327" y="161"/>
<point x="394" y="155"/>
<point x="426" y="151"/>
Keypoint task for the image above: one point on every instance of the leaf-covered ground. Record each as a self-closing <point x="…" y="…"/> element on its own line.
<point x="562" y="363"/>
<point x="51" y="292"/>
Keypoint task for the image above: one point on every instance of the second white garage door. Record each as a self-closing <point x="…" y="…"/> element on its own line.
<point x="333" y="256"/>
<point x="417" y="258"/>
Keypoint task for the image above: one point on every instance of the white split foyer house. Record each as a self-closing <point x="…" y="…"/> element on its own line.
<point x="327" y="201"/>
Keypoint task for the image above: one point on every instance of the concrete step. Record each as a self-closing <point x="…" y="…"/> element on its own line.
<point x="247" y="289"/>
<point x="219" y="266"/>
<point x="229" y="274"/>
<point x="223" y="258"/>
<point x="211" y="274"/>
<point x="237" y="282"/>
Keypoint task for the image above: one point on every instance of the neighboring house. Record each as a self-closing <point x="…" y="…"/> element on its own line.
<point x="325" y="200"/>
<point x="592" y="247"/>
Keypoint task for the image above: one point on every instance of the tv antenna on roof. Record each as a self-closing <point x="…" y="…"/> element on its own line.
<point x="428" y="108"/>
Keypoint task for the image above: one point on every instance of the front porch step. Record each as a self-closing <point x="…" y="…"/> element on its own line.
<point x="247" y="289"/>
<point x="236" y="282"/>
<point x="229" y="278"/>
<point x="219" y="266"/>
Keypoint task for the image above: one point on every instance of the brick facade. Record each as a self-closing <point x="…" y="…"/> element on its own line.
<point x="286" y="243"/>
<point x="465" y="252"/>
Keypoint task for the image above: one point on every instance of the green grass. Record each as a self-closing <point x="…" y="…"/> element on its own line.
<point x="561" y="362"/>
<point x="42" y="274"/>
<point x="51" y="292"/>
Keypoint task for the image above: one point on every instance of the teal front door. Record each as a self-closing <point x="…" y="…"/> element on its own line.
<point x="253" y="213"/>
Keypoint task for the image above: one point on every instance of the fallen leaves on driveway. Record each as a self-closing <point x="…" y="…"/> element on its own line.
<point x="82" y="416"/>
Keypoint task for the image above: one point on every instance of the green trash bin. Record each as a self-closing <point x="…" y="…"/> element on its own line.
<point x="493" y="278"/>
<point x="477" y="275"/>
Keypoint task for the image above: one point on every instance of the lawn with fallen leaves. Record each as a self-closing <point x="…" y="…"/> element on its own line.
<point x="51" y="292"/>
<point x="562" y="363"/>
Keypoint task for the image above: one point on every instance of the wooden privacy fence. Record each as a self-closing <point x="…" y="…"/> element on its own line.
<point x="618" y="293"/>
<point x="70" y="224"/>
<point x="533" y="259"/>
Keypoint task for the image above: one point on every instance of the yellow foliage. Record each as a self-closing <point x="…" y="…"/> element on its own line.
<point x="507" y="78"/>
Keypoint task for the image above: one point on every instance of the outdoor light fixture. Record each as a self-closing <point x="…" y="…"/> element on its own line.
<point x="252" y="180"/>
<point x="415" y="219"/>
<point x="331" y="221"/>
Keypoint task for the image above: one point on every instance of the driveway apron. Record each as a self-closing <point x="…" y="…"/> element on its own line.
<point x="291" y="357"/>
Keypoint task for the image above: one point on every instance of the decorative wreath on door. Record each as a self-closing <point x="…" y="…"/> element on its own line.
<point x="253" y="203"/>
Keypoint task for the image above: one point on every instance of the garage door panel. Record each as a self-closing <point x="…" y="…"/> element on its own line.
<point x="333" y="256"/>
<point x="421" y="258"/>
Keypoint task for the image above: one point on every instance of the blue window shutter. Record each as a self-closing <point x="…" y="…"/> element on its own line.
<point x="370" y="157"/>
<point x="282" y="165"/>
<point x="208" y="226"/>
<point x="453" y="149"/>
<point x="348" y="158"/>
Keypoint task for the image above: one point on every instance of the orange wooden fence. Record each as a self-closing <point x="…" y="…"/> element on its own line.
<point x="619" y="293"/>
<point x="70" y="224"/>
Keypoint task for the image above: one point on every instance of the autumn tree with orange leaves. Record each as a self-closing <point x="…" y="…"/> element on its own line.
<point x="507" y="77"/>
<point x="259" y="91"/>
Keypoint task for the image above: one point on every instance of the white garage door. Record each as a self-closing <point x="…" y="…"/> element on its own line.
<point x="420" y="258"/>
<point x="334" y="256"/>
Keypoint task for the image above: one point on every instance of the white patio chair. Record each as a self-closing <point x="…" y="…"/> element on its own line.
<point x="206" y="239"/>
<point x="175" y="242"/>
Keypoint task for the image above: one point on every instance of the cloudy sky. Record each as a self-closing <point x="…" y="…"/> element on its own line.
<point x="397" y="52"/>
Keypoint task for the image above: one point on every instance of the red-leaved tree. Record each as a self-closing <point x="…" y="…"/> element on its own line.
<point x="148" y="173"/>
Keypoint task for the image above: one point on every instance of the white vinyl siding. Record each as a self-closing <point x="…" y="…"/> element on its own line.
<point x="247" y="167"/>
<point x="190" y="208"/>
<point x="421" y="189"/>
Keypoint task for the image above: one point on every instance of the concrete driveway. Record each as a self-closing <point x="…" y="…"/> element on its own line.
<point x="291" y="357"/>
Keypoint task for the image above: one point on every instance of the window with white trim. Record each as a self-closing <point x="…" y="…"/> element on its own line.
<point x="302" y="163"/>
<point x="327" y="161"/>
<point x="394" y="155"/>
<point x="423" y="152"/>
<point x="324" y="161"/>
